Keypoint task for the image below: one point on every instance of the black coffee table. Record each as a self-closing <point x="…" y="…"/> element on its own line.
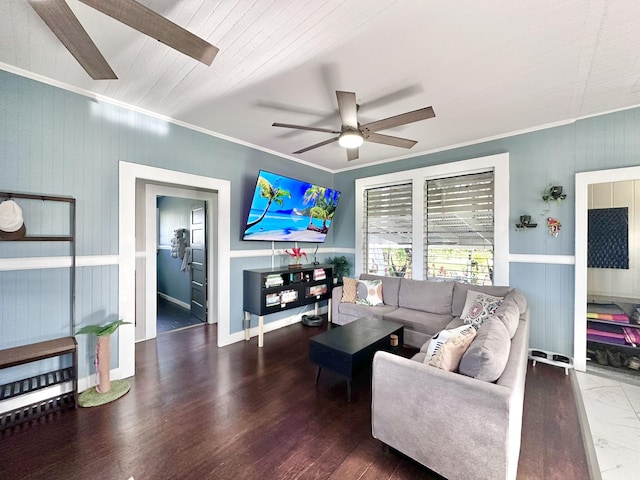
<point x="349" y="349"/>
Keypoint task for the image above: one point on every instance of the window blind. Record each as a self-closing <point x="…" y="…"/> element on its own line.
<point x="388" y="230"/>
<point x="459" y="228"/>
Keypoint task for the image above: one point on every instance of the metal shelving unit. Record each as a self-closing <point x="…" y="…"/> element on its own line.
<point x="24" y="354"/>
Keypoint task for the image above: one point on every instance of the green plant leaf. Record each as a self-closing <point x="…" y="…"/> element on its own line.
<point x="103" y="330"/>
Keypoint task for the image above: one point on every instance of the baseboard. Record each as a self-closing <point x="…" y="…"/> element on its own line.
<point x="175" y="300"/>
<point x="271" y="326"/>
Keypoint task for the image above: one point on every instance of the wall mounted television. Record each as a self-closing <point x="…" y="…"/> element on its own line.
<point x="284" y="209"/>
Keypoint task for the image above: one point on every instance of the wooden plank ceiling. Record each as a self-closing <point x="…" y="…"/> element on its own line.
<point x="488" y="68"/>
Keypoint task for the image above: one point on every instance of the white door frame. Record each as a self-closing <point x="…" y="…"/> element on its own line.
<point x="583" y="180"/>
<point x="152" y="191"/>
<point x="128" y="174"/>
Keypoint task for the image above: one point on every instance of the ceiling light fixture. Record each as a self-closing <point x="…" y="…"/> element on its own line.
<point x="350" y="139"/>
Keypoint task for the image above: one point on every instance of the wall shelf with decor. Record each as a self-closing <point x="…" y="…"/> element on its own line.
<point x="271" y="290"/>
<point x="55" y="389"/>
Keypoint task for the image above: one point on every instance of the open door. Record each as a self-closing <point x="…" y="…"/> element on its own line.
<point x="198" y="260"/>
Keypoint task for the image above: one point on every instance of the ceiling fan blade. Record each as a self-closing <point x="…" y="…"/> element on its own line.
<point x="402" y="119"/>
<point x="300" y="127"/>
<point x="145" y="20"/>
<point x="389" y="140"/>
<point x="353" y="153"/>
<point x="326" y="142"/>
<point x="348" y="109"/>
<point x="64" y="24"/>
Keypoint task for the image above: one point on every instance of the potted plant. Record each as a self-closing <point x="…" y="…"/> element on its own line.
<point x="103" y="392"/>
<point x="341" y="267"/>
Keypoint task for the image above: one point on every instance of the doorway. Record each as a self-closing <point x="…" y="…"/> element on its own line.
<point x="192" y="202"/>
<point x="181" y="263"/>
<point x="584" y="181"/>
<point x="131" y="176"/>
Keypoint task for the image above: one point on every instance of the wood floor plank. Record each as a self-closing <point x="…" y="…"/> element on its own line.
<point x="196" y="411"/>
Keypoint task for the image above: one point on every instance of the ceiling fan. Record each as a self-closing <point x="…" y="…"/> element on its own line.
<point x="65" y="25"/>
<point x="351" y="134"/>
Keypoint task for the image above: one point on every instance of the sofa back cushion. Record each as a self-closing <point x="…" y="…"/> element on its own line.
<point x="487" y="356"/>
<point x="426" y="295"/>
<point x="460" y="294"/>
<point x="509" y="314"/>
<point x="518" y="298"/>
<point x="390" y="287"/>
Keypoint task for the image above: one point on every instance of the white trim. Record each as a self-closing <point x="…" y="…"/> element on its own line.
<point x="174" y="300"/>
<point x="35" y="397"/>
<point x="269" y="252"/>
<point x="583" y="180"/>
<point x="283" y="322"/>
<point x="546" y="259"/>
<point x="37" y="263"/>
<point x="152" y="192"/>
<point x="80" y="91"/>
<point x="498" y="163"/>
<point x="128" y="174"/>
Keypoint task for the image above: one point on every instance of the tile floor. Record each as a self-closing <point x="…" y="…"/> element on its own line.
<point x="613" y="412"/>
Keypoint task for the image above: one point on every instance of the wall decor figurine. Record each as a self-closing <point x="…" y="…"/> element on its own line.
<point x="554" y="225"/>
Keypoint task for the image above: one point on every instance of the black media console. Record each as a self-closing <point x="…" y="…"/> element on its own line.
<point x="270" y="290"/>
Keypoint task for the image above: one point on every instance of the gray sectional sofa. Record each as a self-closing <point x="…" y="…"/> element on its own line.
<point x="461" y="426"/>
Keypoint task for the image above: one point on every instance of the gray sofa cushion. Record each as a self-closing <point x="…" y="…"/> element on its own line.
<point x="357" y="310"/>
<point x="428" y="323"/>
<point x="509" y="314"/>
<point x="427" y="296"/>
<point x="487" y="356"/>
<point x="460" y="294"/>
<point x="390" y="287"/>
<point x="516" y="296"/>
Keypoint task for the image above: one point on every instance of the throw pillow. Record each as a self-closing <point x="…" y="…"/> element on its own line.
<point x="370" y="292"/>
<point x="447" y="347"/>
<point x="478" y="307"/>
<point x="349" y="287"/>
<point x="488" y="354"/>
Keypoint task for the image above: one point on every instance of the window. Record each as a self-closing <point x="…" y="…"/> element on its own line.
<point x="393" y="213"/>
<point x="459" y="228"/>
<point x="387" y="228"/>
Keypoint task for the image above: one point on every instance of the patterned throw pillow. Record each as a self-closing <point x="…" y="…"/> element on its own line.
<point x="478" y="307"/>
<point x="349" y="288"/>
<point x="447" y="347"/>
<point x="370" y="292"/>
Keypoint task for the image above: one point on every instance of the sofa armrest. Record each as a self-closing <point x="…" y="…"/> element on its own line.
<point x="456" y="425"/>
<point x="336" y="298"/>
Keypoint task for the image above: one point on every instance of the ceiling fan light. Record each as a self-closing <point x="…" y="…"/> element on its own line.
<point x="350" y="139"/>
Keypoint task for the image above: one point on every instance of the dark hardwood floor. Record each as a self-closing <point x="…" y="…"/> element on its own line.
<point x="196" y="411"/>
<point x="173" y="317"/>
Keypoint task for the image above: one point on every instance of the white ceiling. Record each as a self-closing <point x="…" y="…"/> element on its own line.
<point x="489" y="68"/>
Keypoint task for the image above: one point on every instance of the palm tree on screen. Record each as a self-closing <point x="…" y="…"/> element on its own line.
<point x="313" y="193"/>
<point x="272" y="194"/>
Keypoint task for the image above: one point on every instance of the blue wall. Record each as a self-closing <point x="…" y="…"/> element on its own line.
<point x="58" y="142"/>
<point x="537" y="159"/>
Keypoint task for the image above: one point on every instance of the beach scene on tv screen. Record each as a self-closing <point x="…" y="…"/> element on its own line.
<point x="285" y="209"/>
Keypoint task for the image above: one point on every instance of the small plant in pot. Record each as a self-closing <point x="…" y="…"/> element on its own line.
<point x="341" y="267"/>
